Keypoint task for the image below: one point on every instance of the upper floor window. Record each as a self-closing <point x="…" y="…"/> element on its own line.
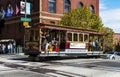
<point x="52" y="4"/>
<point x="52" y="22"/>
<point x="66" y="6"/>
<point x="92" y="9"/>
<point x="80" y="5"/>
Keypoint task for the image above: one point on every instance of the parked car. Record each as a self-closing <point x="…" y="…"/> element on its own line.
<point x="113" y="55"/>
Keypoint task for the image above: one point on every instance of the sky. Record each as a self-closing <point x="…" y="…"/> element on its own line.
<point x="110" y="14"/>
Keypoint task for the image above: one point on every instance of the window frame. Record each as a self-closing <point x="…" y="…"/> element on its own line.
<point x="68" y="5"/>
<point x="92" y="9"/>
<point x="52" y="5"/>
<point x="87" y="38"/>
<point x="71" y="37"/>
<point x="81" y="40"/>
<point x="80" y="4"/>
<point x="75" y="39"/>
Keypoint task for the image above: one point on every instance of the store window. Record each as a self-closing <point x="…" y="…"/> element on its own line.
<point x="52" y="6"/>
<point x="66" y="6"/>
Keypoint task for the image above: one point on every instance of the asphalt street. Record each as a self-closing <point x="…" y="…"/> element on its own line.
<point x="21" y="66"/>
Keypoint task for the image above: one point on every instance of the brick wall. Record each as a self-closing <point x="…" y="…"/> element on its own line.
<point x="60" y="8"/>
<point x="116" y="38"/>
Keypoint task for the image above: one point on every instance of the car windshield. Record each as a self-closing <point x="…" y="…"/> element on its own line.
<point x="111" y="52"/>
<point x="117" y="53"/>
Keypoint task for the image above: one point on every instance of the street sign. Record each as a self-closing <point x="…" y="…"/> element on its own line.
<point x="25" y="19"/>
<point x="25" y="24"/>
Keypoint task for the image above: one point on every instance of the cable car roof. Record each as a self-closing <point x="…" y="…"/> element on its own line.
<point x="66" y="28"/>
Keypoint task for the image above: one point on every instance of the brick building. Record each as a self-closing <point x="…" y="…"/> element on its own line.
<point x="116" y="38"/>
<point x="42" y="11"/>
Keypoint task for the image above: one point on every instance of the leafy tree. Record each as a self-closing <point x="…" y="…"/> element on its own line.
<point x="81" y="18"/>
<point x="108" y="38"/>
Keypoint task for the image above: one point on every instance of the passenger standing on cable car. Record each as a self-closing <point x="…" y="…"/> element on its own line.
<point x="48" y="42"/>
<point x="43" y="43"/>
<point x="48" y="37"/>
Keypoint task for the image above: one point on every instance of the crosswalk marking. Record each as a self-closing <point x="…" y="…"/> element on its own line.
<point x="55" y="75"/>
<point x="62" y="74"/>
<point x="72" y="75"/>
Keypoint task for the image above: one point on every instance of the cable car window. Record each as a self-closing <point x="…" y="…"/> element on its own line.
<point x="85" y="38"/>
<point x="75" y="37"/>
<point x="62" y="37"/>
<point x="69" y="36"/>
<point x="36" y="35"/>
<point x="81" y="37"/>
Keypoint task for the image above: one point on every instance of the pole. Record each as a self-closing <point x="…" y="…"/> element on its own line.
<point x="25" y="9"/>
<point x="40" y="11"/>
<point x="25" y="28"/>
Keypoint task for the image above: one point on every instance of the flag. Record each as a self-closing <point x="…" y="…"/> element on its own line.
<point x="16" y="10"/>
<point x="2" y="13"/>
<point x="28" y="8"/>
<point x="9" y="11"/>
<point x="22" y="7"/>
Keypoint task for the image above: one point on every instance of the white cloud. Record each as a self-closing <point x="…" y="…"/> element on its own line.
<point x="111" y="18"/>
<point x="102" y="6"/>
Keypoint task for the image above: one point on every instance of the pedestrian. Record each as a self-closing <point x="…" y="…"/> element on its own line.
<point x="3" y="49"/>
<point x="0" y="48"/>
<point x="14" y="48"/>
<point x="8" y="47"/>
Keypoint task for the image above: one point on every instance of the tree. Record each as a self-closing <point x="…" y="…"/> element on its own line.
<point x="81" y="18"/>
<point x="108" y="38"/>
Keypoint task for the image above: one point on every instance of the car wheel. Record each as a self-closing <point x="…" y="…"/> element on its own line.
<point x="113" y="58"/>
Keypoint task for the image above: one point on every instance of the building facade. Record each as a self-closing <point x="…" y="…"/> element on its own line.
<point x="42" y="11"/>
<point x="116" y="38"/>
